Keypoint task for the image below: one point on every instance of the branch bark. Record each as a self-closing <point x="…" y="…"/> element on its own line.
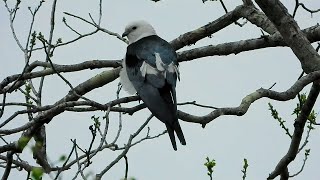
<point x="275" y="40"/>
<point x="6" y="173"/>
<point x="192" y="37"/>
<point x="249" y="99"/>
<point x="27" y="74"/>
<point x="291" y="33"/>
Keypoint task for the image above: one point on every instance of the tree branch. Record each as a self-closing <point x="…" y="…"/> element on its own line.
<point x="275" y="40"/>
<point x="298" y="131"/>
<point x="291" y="34"/>
<point x="124" y="152"/>
<point x="92" y="64"/>
<point x="83" y="88"/>
<point x="192" y="37"/>
<point x="6" y="173"/>
<point x="249" y="99"/>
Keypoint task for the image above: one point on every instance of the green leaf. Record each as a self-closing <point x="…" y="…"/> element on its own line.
<point x="275" y="115"/>
<point x="245" y="167"/>
<point x="59" y="41"/>
<point x="36" y="173"/>
<point x="62" y="158"/>
<point x="210" y="164"/>
<point x="23" y="141"/>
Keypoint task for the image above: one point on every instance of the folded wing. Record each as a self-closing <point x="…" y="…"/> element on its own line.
<point x="152" y="68"/>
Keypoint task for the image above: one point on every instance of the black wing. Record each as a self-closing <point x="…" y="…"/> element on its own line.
<point x="156" y="88"/>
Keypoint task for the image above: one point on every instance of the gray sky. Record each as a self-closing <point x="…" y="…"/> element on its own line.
<point x="216" y="81"/>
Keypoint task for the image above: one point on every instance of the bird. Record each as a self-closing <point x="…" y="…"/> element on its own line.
<point x="150" y="70"/>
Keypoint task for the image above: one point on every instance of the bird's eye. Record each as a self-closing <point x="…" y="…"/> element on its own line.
<point x="134" y="27"/>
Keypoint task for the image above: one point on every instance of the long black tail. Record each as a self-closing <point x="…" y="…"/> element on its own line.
<point x="163" y="106"/>
<point x="175" y="128"/>
<point x="178" y="130"/>
<point x="171" y="135"/>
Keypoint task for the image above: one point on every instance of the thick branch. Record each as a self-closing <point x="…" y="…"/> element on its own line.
<point x="59" y="68"/>
<point x="298" y="131"/>
<point x="291" y="33"/>
<point x="192" y="37"/>
<point x="312" y="33"/>
<point x="259" y="19"/>
<point x="249" y="12"/>
<point x="249" y="99"/>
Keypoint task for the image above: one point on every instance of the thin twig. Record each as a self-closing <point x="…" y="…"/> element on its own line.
<point x="3" y="104"/>
<point x="65" y="23"/>
<point x="66" y="161"/>
<point x="196" y="104"/>
<point x="100" y="12"/>
<point x="303" y="164"/>
<point x="8" y="166"/>
<point x="127" y="167"/>
<point x="124" y="152"/>
<point x="78" y="163"/>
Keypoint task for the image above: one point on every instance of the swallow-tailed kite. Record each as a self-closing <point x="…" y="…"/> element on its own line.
<point x="150" y="69"/>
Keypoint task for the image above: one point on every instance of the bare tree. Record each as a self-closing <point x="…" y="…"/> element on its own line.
<point x="271" y="16"/>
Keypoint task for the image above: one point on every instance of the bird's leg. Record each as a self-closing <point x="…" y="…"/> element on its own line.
<point x="139" y="99"/>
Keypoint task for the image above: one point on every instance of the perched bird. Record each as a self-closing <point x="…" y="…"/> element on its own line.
<point x="150" y="69"/>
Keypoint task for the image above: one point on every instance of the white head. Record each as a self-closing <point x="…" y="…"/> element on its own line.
<point x="137" y="30"/>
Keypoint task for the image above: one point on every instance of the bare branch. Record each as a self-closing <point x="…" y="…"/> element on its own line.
<point x="65" y="23"/>
<point x="120" y="116"/>
<point x="275" y="40"/>
<point x="52" y="23"/>
<point x="304" y="7"/>
<point x="3" y="104"/>
<point x="65" y="163"/>
<point x="33" y="13"/>
<point x="93" y="64"/>
<point x="196" y="104"/>
<point x="78" y="17"/>
<point x="192" y="37"/>
<point x="306" y="154"/>
<point x="309" y="10"/>
<point x="98" y="27"/>
<point x="124" y="152"/>
<point x="78" y="163"/>
<point x="291" y="34"/>
<point x="12" y="15"/>
<point x="8" y="167"/>
<point x="100" y="12"/>
<point x="249" y="99"/>
<point x="127" y="167"/>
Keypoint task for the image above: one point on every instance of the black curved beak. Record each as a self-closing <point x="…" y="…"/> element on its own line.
<point x="125" y="34"/>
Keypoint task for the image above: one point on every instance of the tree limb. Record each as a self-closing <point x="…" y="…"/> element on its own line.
<point x="275" y="40"/>
<point x="249" y="99"/>
<point x="291" y="34"/>
<point x="6" y="173"/>
<point x="298" y="131"/>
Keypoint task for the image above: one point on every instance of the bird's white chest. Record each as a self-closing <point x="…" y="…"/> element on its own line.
<point x="124" y="79"/>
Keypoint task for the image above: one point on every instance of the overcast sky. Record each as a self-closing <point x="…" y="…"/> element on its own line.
<point x="220" y="81"/>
